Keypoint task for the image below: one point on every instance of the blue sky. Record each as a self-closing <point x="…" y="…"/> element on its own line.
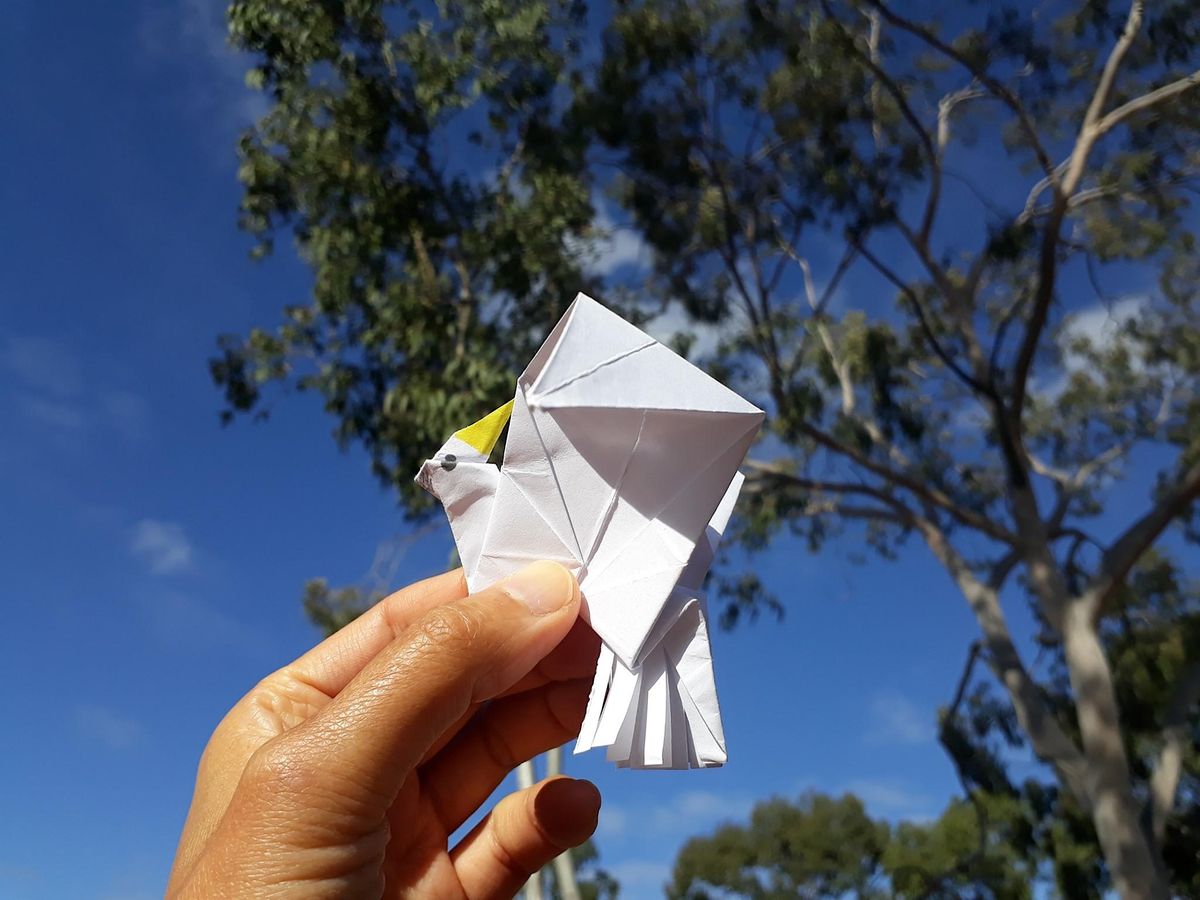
<point x="153" y="560"/>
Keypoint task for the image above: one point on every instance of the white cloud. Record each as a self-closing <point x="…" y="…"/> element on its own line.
<point x="694" y="810"/>
<point x="42" y="365"/>
<point x="56" y="415"/>
<point x="623" y="247"/>
<point x="640" y="877"/>
<point x="1102" y="325"/>
<point x="178" y="620"/>
<point x="699" y="806"/>
<point x="617" y="248"/>
<point x="686" y="813"/>
<point x="892" y="800"/>
<point x="192" y="33"/>
<point x="674" y="320"/>
<point x="52" y="390"/>
<point x="613" y="821"/>
<point x="896" y="720"/>
<point x="107" y="727"/>
<point x="163" y="546"/>
<point x="126" y="412"/>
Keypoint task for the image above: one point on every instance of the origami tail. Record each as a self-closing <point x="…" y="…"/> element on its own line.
<point x="461" y="477"/>
<point x="663" y="712"/>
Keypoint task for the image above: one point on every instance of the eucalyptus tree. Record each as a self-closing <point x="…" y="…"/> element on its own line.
<point x="900" y="225"/>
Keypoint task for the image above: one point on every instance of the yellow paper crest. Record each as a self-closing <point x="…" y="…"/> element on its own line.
<point x="482" y="435"/>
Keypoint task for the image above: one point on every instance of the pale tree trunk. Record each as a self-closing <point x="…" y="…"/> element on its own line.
<point x="1097" y="774"/>
<point x="1094" y="770"/>
<point x="564" y="866"/>
<point x="566" y="885"/>
<point x="1133" y="859"/>
<point x="1116" y="813"/>
<point x="525" y="779"/>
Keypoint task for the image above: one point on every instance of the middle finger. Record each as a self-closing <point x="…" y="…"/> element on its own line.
<point x="505" y="734"/>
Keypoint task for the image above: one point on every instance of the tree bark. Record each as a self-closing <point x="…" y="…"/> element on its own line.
<point x="525" y="779"/>
<point x="564" y="866"/>
<point x="1132" y="859"/>
<point x="1165" y="780"/>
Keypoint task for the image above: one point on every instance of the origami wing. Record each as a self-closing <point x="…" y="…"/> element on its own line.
<point x="625" y="449"/>
<point x="664" y="713"/>
<point x="619" y="454"/>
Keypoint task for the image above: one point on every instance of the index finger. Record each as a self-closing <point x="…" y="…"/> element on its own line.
<point x="462" y="653"/>
<point x="333" y="663"/>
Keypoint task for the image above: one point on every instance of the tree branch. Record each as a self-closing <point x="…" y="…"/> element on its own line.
<point x="1047" y="273"/>
<point x="763" y="332"/>
<point x="765" y="476"/>
<point x="1090" y="132"/>
<point x="1144" y="102"/>
<point x="918" y="487"/>
<point x="1007" y="432"/>
<point x="1048" y="254"/>
<point x="1108" y="75"/>
<point x="874" y="33"/>
<point x="964" y="680"/>
<point x="1165" y="780"/>
<point x="980" y="74"/>
<point x="981" y="816"/>
<point x="817" y="303"/>
<point x="1123" y="553"/>
<point x="923" y="320"/>
<point x="1071" y="483"/>
<point x="840" y="368"/>
<point x="1047" y="737"/>
<point x="1062" y="476"/>
<point x="1002" y="568"/>
<point x="760" y="470"/>
<point x="946" y="108"/>
<point x="914" y="122"/>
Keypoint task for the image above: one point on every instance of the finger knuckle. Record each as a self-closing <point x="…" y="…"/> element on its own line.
<point x="449" y="629"/>
<point x="510" y="861"/>
<point x="498" y="748"/>
<point x="281" y="765"/>
<point x="564" y="709"/>
<point x="284" y="700"/>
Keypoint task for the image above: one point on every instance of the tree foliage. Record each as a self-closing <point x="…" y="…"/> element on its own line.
<point x="1149" y="631"/>
<point x="953" y="255"/>
<point x="332" y="609"/>
<point x="593" y="881"/>
<point x="425" y="165"/>
<point x="822" y="846"/>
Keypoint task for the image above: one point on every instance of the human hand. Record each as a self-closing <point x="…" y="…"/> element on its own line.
<point x="345" y="773"/>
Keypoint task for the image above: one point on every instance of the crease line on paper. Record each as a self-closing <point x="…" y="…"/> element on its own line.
<point x="596" y="368"/>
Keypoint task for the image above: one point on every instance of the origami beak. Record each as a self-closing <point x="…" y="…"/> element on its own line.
<point x="481" y="437"/>
<point x="469" y="448"/>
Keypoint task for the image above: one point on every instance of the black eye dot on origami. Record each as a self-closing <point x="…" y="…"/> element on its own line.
<point x="449" y="461"/>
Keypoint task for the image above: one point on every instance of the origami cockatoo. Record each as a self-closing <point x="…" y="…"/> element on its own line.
<point x="621" y="463"/>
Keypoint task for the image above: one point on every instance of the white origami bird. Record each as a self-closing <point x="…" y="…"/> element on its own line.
<point x="620" y="463"/>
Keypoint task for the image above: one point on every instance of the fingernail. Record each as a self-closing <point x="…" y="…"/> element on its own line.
<point x="542" y="587"/>
<point x="568" y="810"/>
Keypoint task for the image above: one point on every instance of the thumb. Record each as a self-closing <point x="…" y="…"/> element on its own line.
<point x="376" y="731"/>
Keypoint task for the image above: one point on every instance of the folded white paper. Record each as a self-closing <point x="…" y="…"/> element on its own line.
<point x="620" y="463"/>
